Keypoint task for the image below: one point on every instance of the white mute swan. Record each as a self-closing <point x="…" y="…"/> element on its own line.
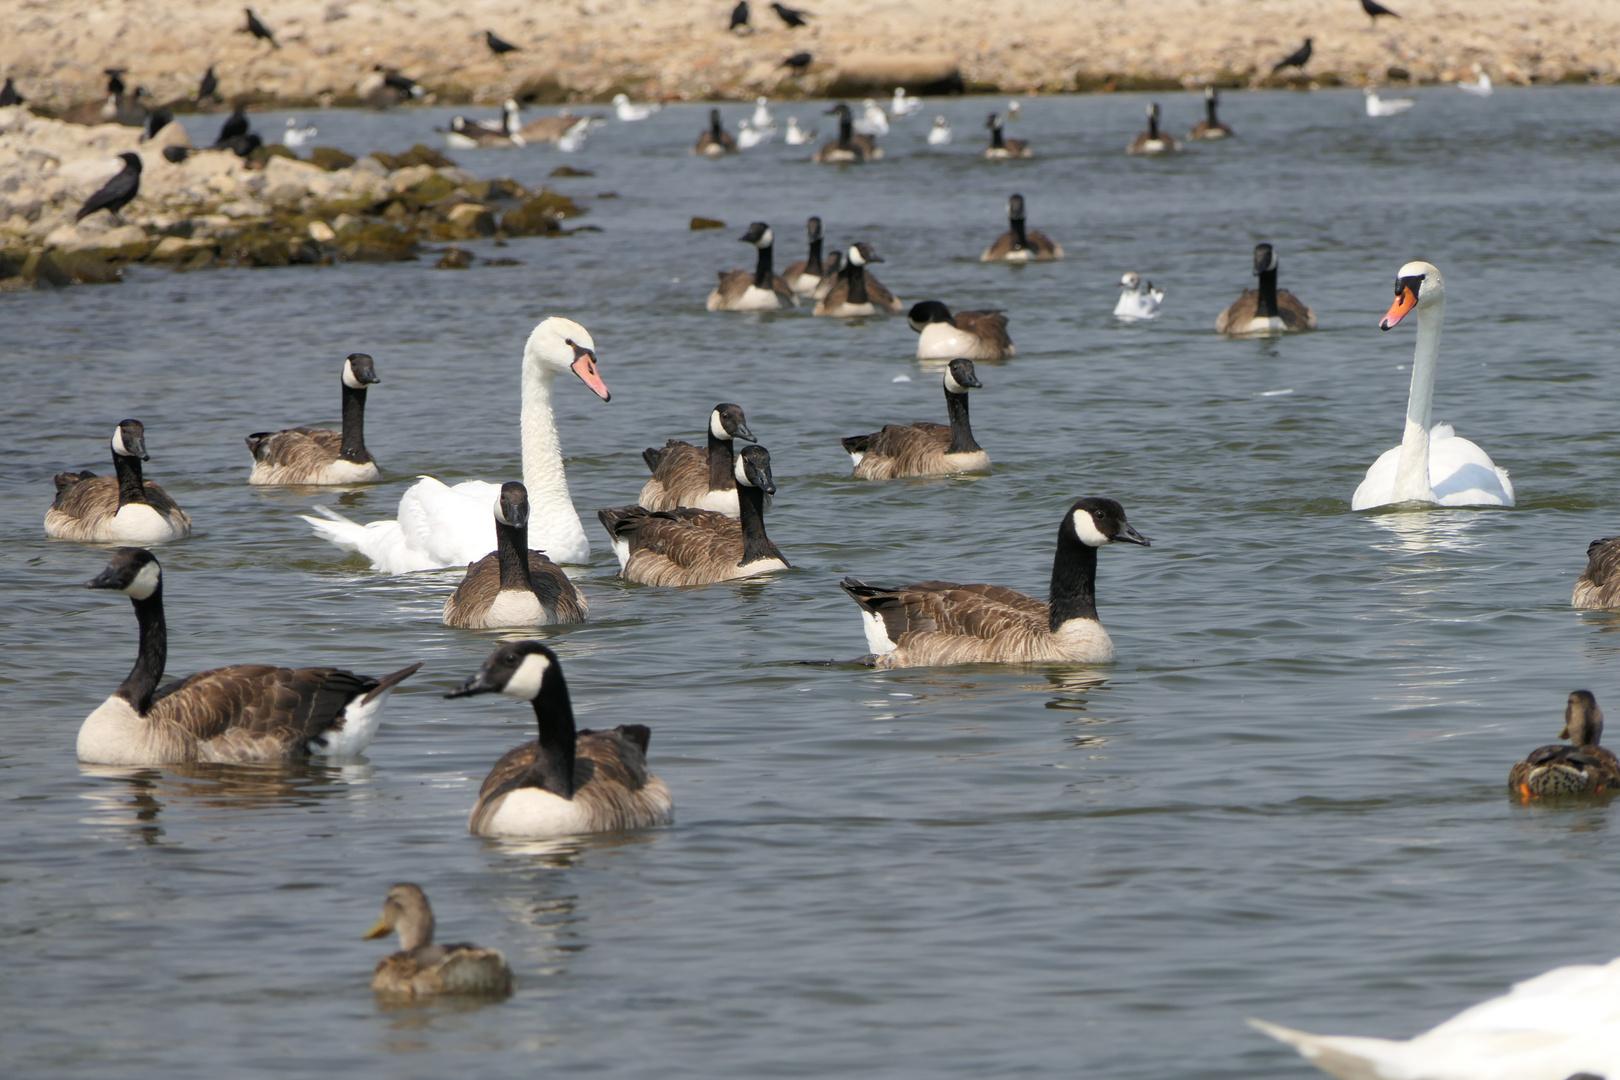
<point x="1432" y="465"/>
<point x="441" y="526"/>
<point x="1564" y="1023"/>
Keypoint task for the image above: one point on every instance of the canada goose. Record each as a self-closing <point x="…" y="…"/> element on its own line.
<point x="1138" y="300"/>
<point x="940" y="133"/>
<point x="551" y="129"/>
<point x="849" y="148"/>
<point x="803" y="277"/>
<point x="934" y="623"/>
<point x="857" y="292"/>
<point x="1153" y="141"/>
<point x="683" y="475"/>
<point x="512" y="585"/>
<point x="699" y="547"/>
<point x="1018" y="243"/>
<point x="121" y="508"/>
<point x="1599" y="586"/>
<point x="439" y="526"/>
<point x="760" y="290"/>
<point x="1210" y="127"/>
<point x="1431" y="465"/>
<point x="317" y="455"/>
<point x="1382" y="106"/>
<point x="976" y="335"/>
<point x="903" y="105"/>
<point x="716" y="140"/>
<point x="924" y="449"/>
<point x="1001" y="148"/>
<point x="245" y="712"/>
<point x="566" y="782"/>
<point x="1267" y="310"/>
<point x="423" y="969"/>
<point x="466" y="135"/>
<point x="1580" y="768"/>
<point x="831" y="273"/>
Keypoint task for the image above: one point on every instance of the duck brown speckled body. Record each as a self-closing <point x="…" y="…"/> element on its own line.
<point x="1580" y="768"/>
<point x="423" y="969"/>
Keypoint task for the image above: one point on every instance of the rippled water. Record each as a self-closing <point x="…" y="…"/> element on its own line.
<point x="1286" y="799"/>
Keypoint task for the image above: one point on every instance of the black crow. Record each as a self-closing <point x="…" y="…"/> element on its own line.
<point x="240" y="145"/>
<point x="258" y="29"/>
<point x="9" y="95"/>
<point x="798" y="62"/>
<point x="115" y="194"/>
<point x="403" y="85"/>
<point x="497" y="46"/>
<point x="157" y="119"/>
<point x="739" y="16"/>
<point x="235" y="125"/>
<point x="1298" y="58"/>
<point x="115" y="81"/>
<point x="1374" y="9"/>
<point x="208" y="89"/>
<point x="791" y="16"/>
<point x="176" y="154"/>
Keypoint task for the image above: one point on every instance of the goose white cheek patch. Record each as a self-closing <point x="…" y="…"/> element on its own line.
<point x="349" y="379"/>
<point x="118" y="442"/>
<point x="716" y="428"/>
<point x="525" y="682"/>
<point x="1087" y="530"/>
<point x="145" y="583"/>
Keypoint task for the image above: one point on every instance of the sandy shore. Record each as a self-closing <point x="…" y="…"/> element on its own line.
<point x="589" y="49"/>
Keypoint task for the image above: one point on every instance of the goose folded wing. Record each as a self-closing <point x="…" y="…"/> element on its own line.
<point x="300" y="447"/>
<point x="255" y="702"/>
<point x="617" y="756"/>
<point x="944" y="607"/>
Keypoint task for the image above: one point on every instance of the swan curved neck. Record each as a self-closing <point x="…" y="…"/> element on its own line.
<point x="551" y="507"/>
<point x="1412" y="470"/>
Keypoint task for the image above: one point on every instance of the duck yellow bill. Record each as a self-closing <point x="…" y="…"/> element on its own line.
<point x="1405" y="301"/>
<point x="380" y="930"/>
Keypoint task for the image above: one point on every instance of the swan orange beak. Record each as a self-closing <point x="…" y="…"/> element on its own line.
<point x="1405" y="300"/>
<point x="584" y="366"/>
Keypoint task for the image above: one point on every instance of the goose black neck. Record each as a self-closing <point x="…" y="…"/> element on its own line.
<point x="512" y="553"/>
<point x="812" y="265"/>
<point x="751" y="510"/>
<point x="1153" y="127"/>
<point x="956" y="406"/>
<point x="154" y="652"/>
<point x="721" y="476"/>
<point x="131" y="489"/>
<point x="1074" y="580"/>
<point x="857" y="284"/>
<point x="996" y="141"/>
<point x="762" y="268"/>
<point x="1209" y="112"/>
<point x="354" y="426"/>
<point x="715" y="129"/>
<point x="1268" y="294"/>
<point x="553" y="766"/>
<point x="846" y="129"/>
<point x="1020" y="238"/>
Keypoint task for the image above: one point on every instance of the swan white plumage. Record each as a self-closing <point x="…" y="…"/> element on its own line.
<point x="1377" y="106"/>
<point x="1138" y="301"/>
<point x="1432" y="464"/>
<point x="1560" y="1024"/>
<point x="441" y="526"/>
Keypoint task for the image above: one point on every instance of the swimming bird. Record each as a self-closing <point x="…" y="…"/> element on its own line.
<point x="497" y="45"/>
<point x="318" y="455"/>
<point x="762" y="114"/>
<point x="1138" y="300"/>
<point x="567" y="782"/>
<point x="1298" y="58"/>
<point x="235" y="125"/>
<point x="1581" y="768"/>
<point x="1001" y="148"/>
<point x="924" y="449"/>
<point x="297" y="136"/>
<point x="1153" y="140"/>
<point x="258" y="29"/>
<point x="1210" y="126"/>
<point x="423" y="969"/>
<point x="934" y="623"/>
<point x="874" y="121"/>
<point x="1266" y="310"/>
<point x="857" y="291"/>
<point x="795" y="136"/>
<point x="683" y="475"/>
<point x="759" y="290"/>
<point x="1374" y="9"/>
<point x="687" y="546"/>
<point x="849" y="148"/>
<point x="716" y="140"/>
<point x="799" y="62"/>
<point x="1599" y="584"/>
<point x="739" y="17"/>
<point x="1377" y="106"/>
<point x="831" y="274"/>
<point x="976" y="335"/>
<point x="9" y="94"/>
<point x="244" y="712"/>
<point x="1431" y="465"/>
<point x="439" y="526"/>
<point x="1015" y="111"/>
<point x="940" y="133"/>
<point x="573" y="139"/>
<point x="748" y="136"/>
<point x="122" y="508"/>
<point x="208" y="88"/>
<point x="625" y="111"/>
<point x="1480" y="87"/>
<point x="794" y="17"/>
<point x="514" y="585"/>
<point x="803" y="277"/>
<point x="401" y="83"/>
<point x="550" y="129"/>
<point x="903" y="105"/>
<point x="1019" y="243"/>
<point x="465" y="134"/>
<point x="117" y="192"/>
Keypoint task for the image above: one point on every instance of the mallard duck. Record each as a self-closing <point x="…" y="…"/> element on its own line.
<point x="423" y="969"/>
<point x="1581" y="768"/>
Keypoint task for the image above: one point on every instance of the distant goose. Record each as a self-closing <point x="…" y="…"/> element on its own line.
<point x="1018" y="243"/>
<point x="974" y="335"/>
<point x="1599" y="585"/>
<point x="318" y="455"/>
<point x="1210" y="127"/>
<point x="245" y="712"/>
<point x="631" y="113"/>
<point x="940" y="133"/>
<point x="803" y="277"/>
<point x="514" y="585"/>
<point x="423" y="969"/>
<point x="903" y="105"/>
<point x="756" y="290"/>
<point x="857" y="292"/>
<point x="552" y="129"/>
<point x="935" y="623"/>
<point x="716" y="140"/>
<point x="762" y="113"/>
<point x="1153" y="140"/>
<point x="1431" y="464"/>
<point x="1377" y="106"/>
<point x="122" y="508"/>
<point x="699" y="547"/>
<point x="296" y="136"/>
<point x="1581" y="768"/>
<point x="1480" y="87"/>
<point x="874" y="121"/>
<point x="796" y="136"/>
<point x="567" y="782"/>
<point x="1138" y="300"/>
<point x="849" y="148"/>
<point x="924" y="449"/>
<point x="1266" y="310"/>
<point x="1001" y="148"/>
<point x="683" y="475"/>
<point x="749" y="136"/>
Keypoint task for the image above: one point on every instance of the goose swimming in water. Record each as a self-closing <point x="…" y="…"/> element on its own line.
<point x="1431" y="464"/>
<point x="567" y="782"/>
<point x="1153" y="140"/>
<point x="804" y="277"/>
<point x="319" y="455"/>
<point x="1002" y="148"/>
<point x="683" y="475"/>
<point x="439" y="526"/>
<point x="1019" y="243"/>
<point x="1599" y="584"/>
<point x="514" y="585"/>
<point x="974" y="335"/>
<point x="122" y="508"/>
<point x="849" y="148"/>
<point x="940" y="133"/>
<point x="935" y="623"/>
<point x="245" y="712"/>
<point x="1266" y="310"/>
<point x="1138" y="300"/>
<point x="423" y="969"/>
<point x="856" y="292"/>
<point x="924" y="449"/>
<point x="1210" y="127"/>
<point x="1581" y="768"/>
<point x="715" y="140"/>
<point x="756" y="290"/>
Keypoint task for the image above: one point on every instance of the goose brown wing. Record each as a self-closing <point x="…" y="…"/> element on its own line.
<point x="1241" y="311"/>
<point x="687" y="537"/>
<point x="879" y="294"/>
<point x="989" y="326"/>
<point x="784" y="292"/>
<point x="302" y="447"/>
<point x="617" y="757"/>
<point x="733" y="283"/>
<point x="87" y="496"/>
<point x="259" y="702"/>
<point x="998" y="250"/>
<point x="836" y="297"/>
<point x="944" y="607"/>
<point x="910" y="447"/>
<point x="65" y="480"/>
<point x="680" y="476"/>
<point x="1044" y="245"/>
<point x="160" y="501"/>
<point x="1603" y="562"/>
<point x="1294" y="312"/>
<point x="509" y="771"/>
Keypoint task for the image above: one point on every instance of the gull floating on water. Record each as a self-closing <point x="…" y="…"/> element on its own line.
<point x="940" y="133"/>
<point x="630" y="113"/>
<point x="1377" y="106"/>
<point x="297" y="136"/>
<point x="749" y="136"/>
<point x="1139" y="300"/>
<point x="873" y="121"/>
<point x="797" y="136"/>
<point x="762" y="114"/>
<point x="1480" y="87"/>
<point x="574" y="138"/>
<point x="902" y="105"/>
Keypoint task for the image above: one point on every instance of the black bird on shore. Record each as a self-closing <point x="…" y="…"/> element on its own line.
<point x="236" y="125"/>
<point x="9" y="95"/>
<point x="1374" y="9"/>
<point x="115" y="81"/>
<point x="1298" y="58"/>
<point x="208" y="89"/>
<point x="176" y="154"/>
<point x="799" y="62"/>
<point x="157" y="120"/>
<point x="258" y="29"/>
<point x="739" y="16"/>
<point x="403" y="85"/>
<point x="791" y="16"/>
<point x="497" y="46"/>
<point x="116" y="193"/>
<point x="240" y="145"/>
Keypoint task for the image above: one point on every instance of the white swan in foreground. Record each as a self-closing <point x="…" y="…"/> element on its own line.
<point x="1559" y="1025"/>
<point x="441" y="526"/>
<point x="1432" y="465"/>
